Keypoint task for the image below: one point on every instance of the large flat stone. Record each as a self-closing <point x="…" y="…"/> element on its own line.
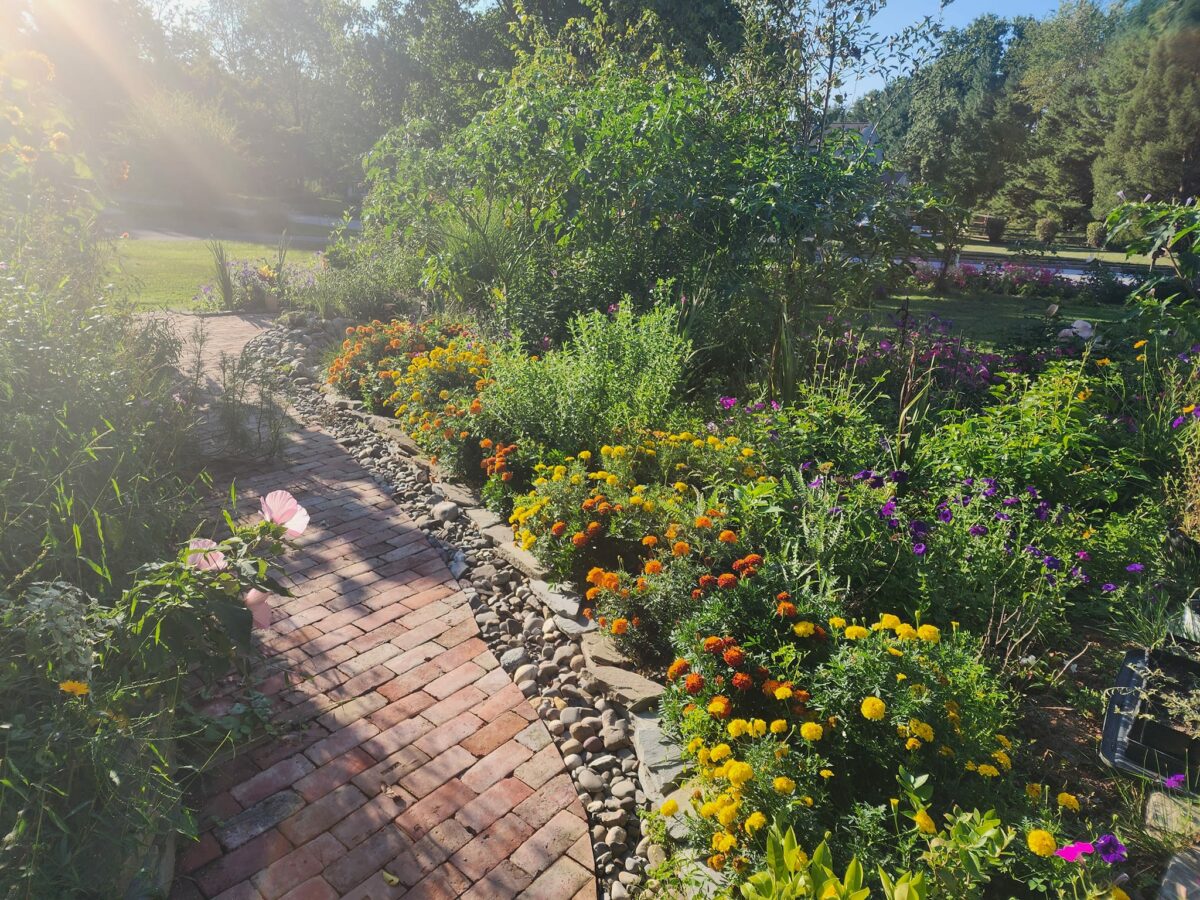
<point x="600" y="650"/>
<point x="564" y="603"/>
<point x="574" y="626"/>
<point x="485" y="519"/>
<point x="634" y="691"/>
<point x="1172" y="816"/>
<point x="522" y="560"/>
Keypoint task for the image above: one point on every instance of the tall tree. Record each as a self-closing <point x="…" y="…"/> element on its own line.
<point x="1154" y="147"/>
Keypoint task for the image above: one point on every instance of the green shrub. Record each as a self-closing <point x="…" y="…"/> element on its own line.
<point x="615" y="375"/>
<point x="379" y="286"/>
<point x="1097" y="234"/>
<point x="993" y="227"/>
<point x="1046" y="229"/>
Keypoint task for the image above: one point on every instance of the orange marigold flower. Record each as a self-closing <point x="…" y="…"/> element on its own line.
<point x="592" y="593"/>
<point x="506" y="476"/>
<point x="734" y="656"/>
<point x="611" y="581"/>
<point x="595" y="573"/>
<point x="620" y="626"/>
<point x="708" y="582"/>
<point x="753" y="560"/>
<point x="786" y="609"/>
<point x="678" y="669"/>
<point x="783" y="595"/>
<point x="703" y="522"/>
<point x="742" y="681"/>
<point x="694" y="683"/>
<point x="727" y="537"/>
<point x="713" y="644"/>
<point x="653" y="567"/>
<point x="769" y="686"/>
<point x="593" y="529"/>
<point x="558" y="529"/>
<point x="649" y="540"/>
<point x="579" y="539"/>
<point x="588" y="504"/>
<point x="641" y="584"/>
<point x="727" y="581"/>
<point x="697" y="594"/>
<point x="720" y="707"/>
<point x="680" y="548"/>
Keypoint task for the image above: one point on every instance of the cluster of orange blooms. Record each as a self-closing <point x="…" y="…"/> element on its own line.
<point x="370" y="344"/>
<point x="497" y="463"/>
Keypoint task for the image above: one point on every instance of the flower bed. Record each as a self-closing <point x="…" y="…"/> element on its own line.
<point x="830" y="626"/>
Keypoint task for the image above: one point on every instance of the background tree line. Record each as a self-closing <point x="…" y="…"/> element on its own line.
<point x="1049" y="119"/>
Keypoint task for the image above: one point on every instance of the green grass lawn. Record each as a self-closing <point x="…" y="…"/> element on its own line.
<point x="1063" y="254"/>
<point x="997" y="321"/>
<point x="167" y="273"/>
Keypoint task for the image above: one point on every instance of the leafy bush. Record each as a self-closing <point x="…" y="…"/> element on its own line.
<point x="88" y="695"/>
<point x="377" y="286"/>
<point x="596" y="176"/>
<point x="1046" y="229"/>
<point x="1097" y="234"/>
<point x="614" y="376"/>
<point x="993" y="227"/>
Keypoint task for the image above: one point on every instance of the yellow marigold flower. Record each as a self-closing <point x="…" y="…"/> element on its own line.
<point x="987" y="770"/>
<point x="912" y="744"/>
<point x="1068" y="801"/>
<point x="754" y="821"/>
<point x="811" y="731"/>
<point x="1104" y="362"/>
<point x="1041" y="842"/>
<point x="826" y="773"/>
<point x="758" y="727"/>
<point x="708" y="810"/>
<point x="873" y="708"/>
<point x="1004" y="742"/>
<point x="783" y="692"/>
<point x="739" y="773"/>
<point x="76" y="688"/>
<point x="1141" y="357"/>
<point x="1138" y="345"/>
<point x="804" y="629"/>
<point x="723" y="842"/>
<point x="929" y="634"/>
<point x="924" y="822"/>
<point x="923" y="730"/>
<point x="856" y="633"/>
<point x="737" y="727"/>
<point x="1033" y="791"/>
<point x="895" y="651"/>
<point x="906" y="632"/>
<point x="837" y="622"/>
<point x="806" y="800"/>
<point x="783" y="785"/>
<point x="889" y="621"/>
<point x="716" y="862"/>
<point x="720" y="752"/>
<point x="670" y="807"/>
<point x="1003" y="758"/>
<point x="1118" y="894"/>
<point x="779" y="726"/>
<point x="695" y="744"/>
<point x="727" y="816"/>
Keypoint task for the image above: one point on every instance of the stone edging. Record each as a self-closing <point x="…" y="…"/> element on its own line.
<point x="598" y="710"/>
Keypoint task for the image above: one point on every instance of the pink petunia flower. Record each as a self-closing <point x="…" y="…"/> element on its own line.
<point x="205" y="556"/>
<point x="1072" y="852"/>
<point x="281" y="508"/>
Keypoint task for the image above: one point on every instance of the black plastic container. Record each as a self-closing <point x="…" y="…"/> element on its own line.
<point x="1138" y="735"/>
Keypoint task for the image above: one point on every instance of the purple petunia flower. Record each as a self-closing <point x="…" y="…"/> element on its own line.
<point x="1052" y="562"/>
<point x="1177" y="421"/>
<point x="1083" y="555"/>
<point x="1010" y="501"/>
<point x="944" y="514"/>
<point x="977" y="530"/>
<point x="918" y="549"/>
<point x="1072" y="852"/>
<point x="1134" y="567"/>
<point x="897" y="477"/>
<point x="1111" y="850"/>
<point x="1174" y="782"/>
<point x="888" y="509"/>
<point x="862" y="475"/>
<point x="1108" y="587"/>
<point x="728" y="402"/>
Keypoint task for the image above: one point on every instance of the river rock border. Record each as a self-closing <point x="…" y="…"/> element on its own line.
<point x="600" y="712"/>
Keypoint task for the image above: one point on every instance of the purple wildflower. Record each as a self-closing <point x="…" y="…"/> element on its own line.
<point x="1111" y="850"/>
<point x="1134" y="567"/>
<point x="918" y="549"/>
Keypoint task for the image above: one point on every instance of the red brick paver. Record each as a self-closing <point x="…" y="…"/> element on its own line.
<point x="403" y="770"/>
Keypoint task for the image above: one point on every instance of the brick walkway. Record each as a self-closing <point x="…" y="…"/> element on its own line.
<point x="411" y="765"/>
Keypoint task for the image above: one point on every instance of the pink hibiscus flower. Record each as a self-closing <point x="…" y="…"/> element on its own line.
<point x="204" y="555"/>
<point x="281" y="508"/>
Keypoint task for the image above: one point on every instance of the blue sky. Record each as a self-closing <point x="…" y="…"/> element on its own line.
<point x="899" y="14"/>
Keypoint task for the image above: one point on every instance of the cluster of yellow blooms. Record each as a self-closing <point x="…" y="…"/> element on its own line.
<point x="438" y="388"/>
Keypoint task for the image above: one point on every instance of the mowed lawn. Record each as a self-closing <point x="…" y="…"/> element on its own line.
<point x="996" y="321"/>
<point x="168" y="273"/>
